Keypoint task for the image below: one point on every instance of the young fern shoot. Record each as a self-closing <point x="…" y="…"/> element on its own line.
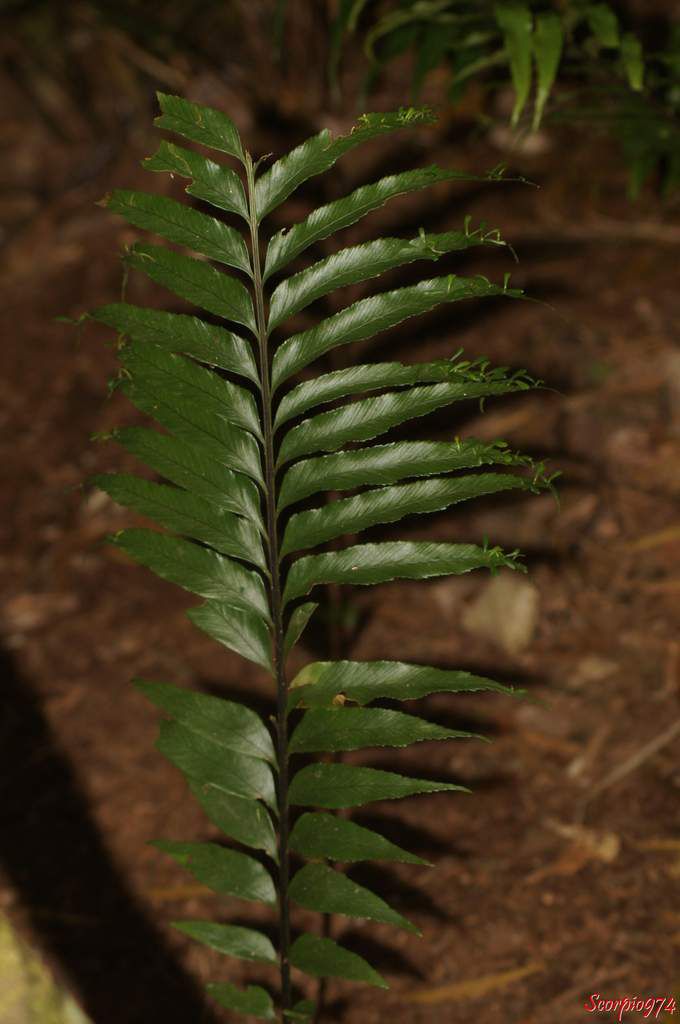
<point x="243" y="449"/>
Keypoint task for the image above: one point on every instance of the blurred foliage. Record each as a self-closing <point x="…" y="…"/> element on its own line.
<point x="573" y="59"/>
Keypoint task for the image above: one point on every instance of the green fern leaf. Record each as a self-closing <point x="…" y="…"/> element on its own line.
<point x="247" y="821"/>
<point x="319" y="684"/>
<point x="154" y="372"/>
<point x="239" y="630"/>
<point x="387" y="464"/>
<point x="355" y="728"/>
<point x="211" y="182"/>
<point x="324" y="835"/>
<point x="230" y="725"/>
<point x="303" y="1012"/>
<point x="323" y="958"/>
<point x="235" y="458"/>
<point x="365" y="564"/>
<point x="296" y="625"/>
<point x="633" y="61"/>
<point x="182" y="225"/>
<point x="193" y="470"/>
<point x="548" y="43"/>
<point x="195" y="281"/>
<point x="388" y="505"/>
<point x="252" y="1000"/>
<point x="225" y="871"/>
<point x="213" y="436"/>
<point x="370" y="316"/>
<point x="199" y="124"/>
<point x="356" y="380"/>
<point x="177" y="332"/>
<point x="319" y="153"/>
<point x="287" y="244"/>
<point x="210" y="764"/>
<point x="186" y="514"/>
<point x="603" y="24"/>
<point x="242" y="943"/>
<point x="367" y="419"/>
<point x="199" y="570"/>
<point x="344" y="785"/>
<point x="360" y="263"/>
<point x="318" y="887"/>
<point x="516" y="23"/>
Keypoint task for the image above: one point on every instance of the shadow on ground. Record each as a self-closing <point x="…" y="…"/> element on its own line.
<point x="85" y="916"/>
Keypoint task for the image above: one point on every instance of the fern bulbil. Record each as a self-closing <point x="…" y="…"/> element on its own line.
<point x="246" y="454"/>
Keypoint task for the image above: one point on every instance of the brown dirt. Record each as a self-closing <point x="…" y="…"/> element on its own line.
<point x="549" y="873"/>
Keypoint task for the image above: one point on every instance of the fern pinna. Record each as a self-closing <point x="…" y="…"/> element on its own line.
<point x="243" y="450"/>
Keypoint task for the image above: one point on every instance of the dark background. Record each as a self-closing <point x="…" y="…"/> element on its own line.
<point x="553" y="880"/>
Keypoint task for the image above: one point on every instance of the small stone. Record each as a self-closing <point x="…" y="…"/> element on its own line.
<point x="591" y="669"/>
<point x="506" y="612"/>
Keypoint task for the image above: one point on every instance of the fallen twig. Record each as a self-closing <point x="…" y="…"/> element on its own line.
<point x="630" y="765"/>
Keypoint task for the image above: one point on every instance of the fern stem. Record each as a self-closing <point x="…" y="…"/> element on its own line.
<point x="275" y="595"/>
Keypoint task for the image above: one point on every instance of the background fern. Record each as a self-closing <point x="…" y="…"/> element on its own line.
<point x="243" y="449"/>
<point x="575" y="59"/>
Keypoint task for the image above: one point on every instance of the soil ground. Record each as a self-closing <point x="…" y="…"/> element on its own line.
<point x="558" y="877"/>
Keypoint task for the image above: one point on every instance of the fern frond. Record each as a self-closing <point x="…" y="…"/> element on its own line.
<point x="368" y="317"/>
<point x="366" y="564"/>
<point x="362" y="262"/>
<point x="371" y="417"/>
<point x="387" y="464"/>
<point x="319" y="153"/>
<point x="335" y="786"/>
<point x="195" y="471"/>
<point x="319" y="836"/>
<point x="290" y="243"/>
<point x="320" y="684"/>
<point x="195" y="281"/>
<point x="234" y="460"/>
<point x="176" y="332"/>
<point x="389" y="505"/>
<point x="181" y="224"/>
